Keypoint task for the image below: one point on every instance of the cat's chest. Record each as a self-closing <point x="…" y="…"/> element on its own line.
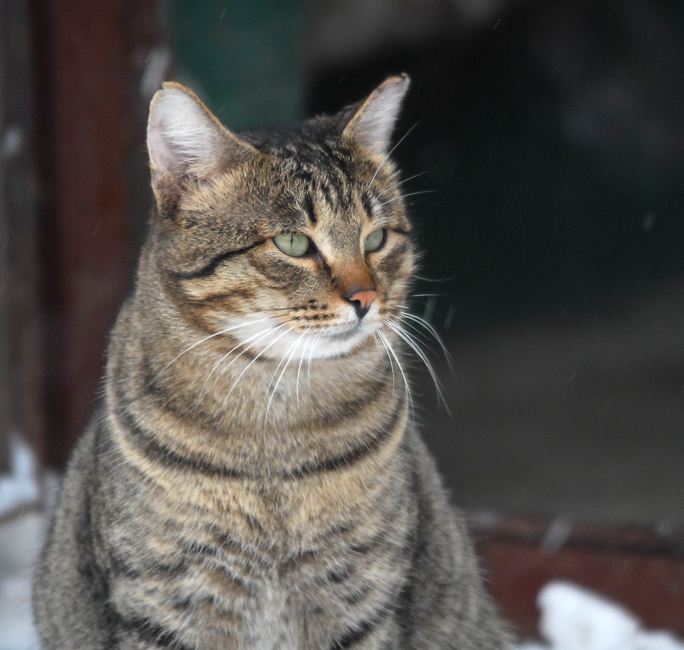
<point x="271" y="625"/>
<point x="267" y="615"/>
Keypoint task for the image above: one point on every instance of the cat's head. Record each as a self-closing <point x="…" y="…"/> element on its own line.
<point x="293" y="240"/>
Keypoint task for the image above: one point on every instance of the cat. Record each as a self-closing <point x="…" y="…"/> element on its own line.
<point x="252" y="478"/>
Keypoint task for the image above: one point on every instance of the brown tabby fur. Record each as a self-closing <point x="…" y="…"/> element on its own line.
<point x="254" y="489"/>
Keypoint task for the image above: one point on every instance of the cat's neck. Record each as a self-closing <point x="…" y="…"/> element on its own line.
<point x="253" y="412"/>
<point x="229" y="385"/>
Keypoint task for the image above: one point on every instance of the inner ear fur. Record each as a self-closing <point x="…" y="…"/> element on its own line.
<point x="372" y="121"/>
<point x="186" y="143"/>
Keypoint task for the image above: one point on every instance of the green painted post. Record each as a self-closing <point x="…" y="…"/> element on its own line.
<point x="243" y="57"/>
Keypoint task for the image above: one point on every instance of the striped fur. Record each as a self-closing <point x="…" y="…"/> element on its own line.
<point x="251" y="479"/>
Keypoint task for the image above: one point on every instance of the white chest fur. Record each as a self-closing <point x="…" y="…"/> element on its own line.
<point x="272" y="625"/>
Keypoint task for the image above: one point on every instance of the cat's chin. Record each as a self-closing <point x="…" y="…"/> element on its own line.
<point x="341" y="344"/>
<point x="271" y="341"/>
<point x="322" y="345"/>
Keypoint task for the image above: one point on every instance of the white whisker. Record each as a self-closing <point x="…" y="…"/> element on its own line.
<point x="407" y="386"/>
<point x="418" y="334"/>
<point x="405" y="196"/>
<point x="249" y="365"/>
<point x="390" y="152"/>
<point x="280" y="363"/>
<point x="389" y="356"/>
<point x="405" y="180"/>
<point x="424" y="279"/>
<point x="256" y="336"/>
<point x="428" y="326"/>
<point x="294" y="347"/>
<point x="413" y="344"/>
<point x="206" y="338"/>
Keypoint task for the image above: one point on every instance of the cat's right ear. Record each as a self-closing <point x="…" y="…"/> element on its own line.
<point x="371" y="122"/>
<point x="186" y="143"/>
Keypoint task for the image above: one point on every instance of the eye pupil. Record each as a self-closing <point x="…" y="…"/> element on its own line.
<point x="293" y="244"/>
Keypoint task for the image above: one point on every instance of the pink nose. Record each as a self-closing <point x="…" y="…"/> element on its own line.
<point x="361" y="300"/>
<point x="364" y="297"/>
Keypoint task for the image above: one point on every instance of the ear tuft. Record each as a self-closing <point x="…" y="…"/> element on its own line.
<point x="185" y="140"/>
<point x="373" y="122"/>
<point x="181" y="134"/>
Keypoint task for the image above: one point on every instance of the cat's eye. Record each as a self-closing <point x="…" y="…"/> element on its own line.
<point x="293" y="244"/>
<point x="374" y="241"/>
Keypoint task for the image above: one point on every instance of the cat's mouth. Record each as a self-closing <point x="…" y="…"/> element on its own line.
<point x="345" y="335"/>
<point x="342" y="342"/>
<point x="271" y="340"/>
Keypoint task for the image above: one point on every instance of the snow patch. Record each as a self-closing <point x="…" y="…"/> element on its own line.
<point x="575" y="618"/>
<point x="20" y="487"/>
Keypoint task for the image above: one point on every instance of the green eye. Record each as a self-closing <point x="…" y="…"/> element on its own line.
<point x="293" y="244"/>
<point x="374" y="240"/>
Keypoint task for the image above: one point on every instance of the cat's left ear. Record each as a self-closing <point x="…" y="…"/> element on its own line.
<point x="371" y="124"/>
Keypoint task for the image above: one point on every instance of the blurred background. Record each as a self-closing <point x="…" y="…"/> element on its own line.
<point x="543" y="143"/>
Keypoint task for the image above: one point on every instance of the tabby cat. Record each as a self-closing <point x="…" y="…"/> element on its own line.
<point x="252" y="479"/>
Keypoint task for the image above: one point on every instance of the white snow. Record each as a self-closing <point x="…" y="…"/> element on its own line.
<point x="20" y="487"/>
<point x="574" y="618"/>
<point x="20" y="543"/>
<point x="21" y="538"/>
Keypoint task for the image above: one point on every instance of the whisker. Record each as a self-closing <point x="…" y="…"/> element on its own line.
<point x="390" y="152"/>
<point x="280" y="363"/>
<point x="249" y="365"/>
<point x="275" y="309"/>
<point x="407" y="386"/>
<point x="405" y="196"/>
<point x="255" y="338"/>
<point x="261" y="335"/>
<point x="241" y="343"/>
<point x="206" y="338"/>
<point x="424" y="279"/>
<point x="435" y="334"/>
<point x="413" y="344"/>
<point x="389" y="356"/>
<point x="405" y="180"/>
<point x="294" y="347"/>
<point x="418" y="334"/>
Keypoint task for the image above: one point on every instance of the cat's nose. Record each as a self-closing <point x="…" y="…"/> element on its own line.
<point x="361" y="299"/>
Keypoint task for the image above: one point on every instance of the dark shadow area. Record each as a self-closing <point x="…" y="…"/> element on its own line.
<point x="543" y="158"/>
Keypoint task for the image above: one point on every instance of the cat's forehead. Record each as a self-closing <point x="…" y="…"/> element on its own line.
<point x="310" y="138"/>
<point x="318" y="181"/>
<point x="310" y="152"/>
<point x="314" y="166"/>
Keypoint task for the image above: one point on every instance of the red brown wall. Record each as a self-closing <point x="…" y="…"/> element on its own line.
<point x="89" y="60"/>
